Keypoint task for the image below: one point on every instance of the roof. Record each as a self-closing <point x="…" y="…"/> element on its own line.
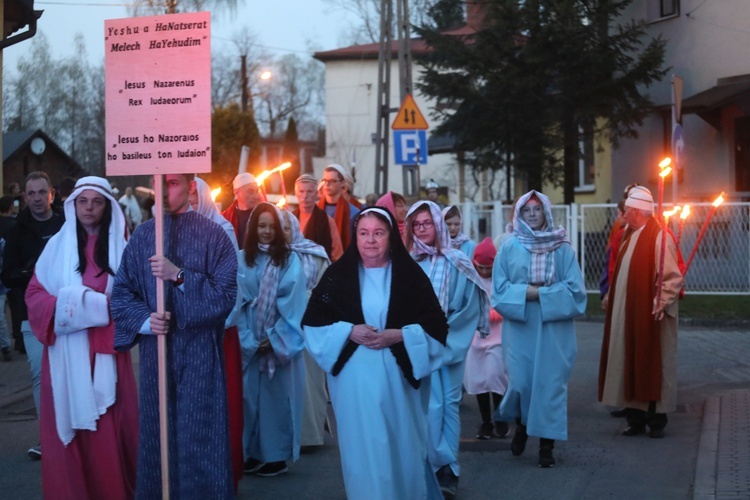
<point x="13" y="141"/>
<point x="708" y="103"/>
<point x="371" y="50"/>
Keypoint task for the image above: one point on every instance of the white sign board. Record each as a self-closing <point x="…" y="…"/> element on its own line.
<point x="158" y="94"/>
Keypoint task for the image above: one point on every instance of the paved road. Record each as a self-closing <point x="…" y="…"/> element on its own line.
<point x="596" y="462"/>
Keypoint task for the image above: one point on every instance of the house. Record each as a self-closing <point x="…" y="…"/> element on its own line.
<point x="27" y="151"/>
<point x="707" y="47"/>
<point x="351" y="86"/>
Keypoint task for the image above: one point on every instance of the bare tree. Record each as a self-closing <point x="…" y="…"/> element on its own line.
<point x="367" y="13"/>
<point x="154" y="7"/>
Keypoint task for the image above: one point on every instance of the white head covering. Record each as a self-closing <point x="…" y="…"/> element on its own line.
<point x="338" y="168"/>
<point x="306" y="249"/>
<point x="243" y="179"/>
<point x="79" y="400"/>
<point x="207" y="208"/>
<point x="640" y="198"/>
<point x="432" y="184"/>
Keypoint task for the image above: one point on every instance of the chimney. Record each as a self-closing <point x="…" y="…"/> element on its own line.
<point x="476" y="12"/>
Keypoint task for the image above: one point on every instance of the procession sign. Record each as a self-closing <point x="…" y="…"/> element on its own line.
<point x="158" y="94"/>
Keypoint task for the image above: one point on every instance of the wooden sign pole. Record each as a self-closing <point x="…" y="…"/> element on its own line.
<point x="162" y="340"/>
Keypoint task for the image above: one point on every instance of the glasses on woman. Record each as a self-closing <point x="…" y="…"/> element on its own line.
<point x="330" y="181"/>
<point x="422" y="225"/>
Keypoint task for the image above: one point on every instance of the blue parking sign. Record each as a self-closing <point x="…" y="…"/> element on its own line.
<point x="410" y="147"/>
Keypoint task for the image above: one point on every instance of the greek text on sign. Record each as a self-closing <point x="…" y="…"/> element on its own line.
<point x="409" y="147"/>
<point x="409" y="117"/>
<point x="158" y="94"/>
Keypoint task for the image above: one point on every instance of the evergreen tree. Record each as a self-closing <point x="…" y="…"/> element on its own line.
<point x="538" y="77"/>
<point x="446" y="14"/>
<point x="231" y="128"/>
<point x="290" y="153"/>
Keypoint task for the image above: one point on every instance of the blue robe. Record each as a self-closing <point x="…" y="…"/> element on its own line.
<point x="468" y="248"/>
<point x="381" y="418"/>
<point x="273" y="406"/>
<point x="447" y="382"/>
<point x="199" y="456"/>
<point x="539" y="340"/>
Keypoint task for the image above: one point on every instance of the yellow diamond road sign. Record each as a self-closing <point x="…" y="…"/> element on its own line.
<point x="409" y="117"/>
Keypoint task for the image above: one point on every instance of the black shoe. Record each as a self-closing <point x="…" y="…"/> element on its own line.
<point x="7" y="356"/>
<point x="35" y="452"/>
<point x="622" y="412"/>
<point x="252" y="465"/>
<point x="272" y="469"/>
<point x="519" y="440"/>
<point x="656" y="433"/>
<point x="501" y="429"/>
<point x="546" y="459"/>
<point x="634" y="430"/>
<point x="484" y="431"/>
<point x="448" y="482"/>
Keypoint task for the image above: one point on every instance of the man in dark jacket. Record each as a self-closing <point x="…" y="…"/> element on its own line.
<point x="35" y="225"/>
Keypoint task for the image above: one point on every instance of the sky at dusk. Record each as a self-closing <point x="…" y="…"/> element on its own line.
<point x="280" y="26"/>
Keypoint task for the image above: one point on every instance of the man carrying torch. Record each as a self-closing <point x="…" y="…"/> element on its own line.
<point x="638" y="365"/>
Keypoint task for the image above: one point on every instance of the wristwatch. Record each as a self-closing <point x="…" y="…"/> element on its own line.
<point x="180" y="278"/>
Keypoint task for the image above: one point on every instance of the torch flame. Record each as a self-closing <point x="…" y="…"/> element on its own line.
<point x="215" y="193"/>
<point x="685" y="212"/>
<point x="665" y="172"/>
<point x="665" y="163"/>
<point x="670" y="213"/>
<point x="259" y="179"/>
<point x="718" y="201"/>
<point x="281" y="203"/>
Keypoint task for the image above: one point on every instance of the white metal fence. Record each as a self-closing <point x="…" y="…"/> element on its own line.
<point x="720" y="266"/>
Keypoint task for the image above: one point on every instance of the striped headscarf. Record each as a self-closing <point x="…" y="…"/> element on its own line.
<point x="306" y="249"/>
<point x="541" y="244"/>
<point x="439" y="272"/>
<point x="460" y="238"/>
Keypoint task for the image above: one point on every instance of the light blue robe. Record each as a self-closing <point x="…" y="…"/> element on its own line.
<point x="468" y="248"/>
<point x="382" y="419"/>
<point x="539" y="340"/>
<point x="446" y="383"/>
<point x="273" y="406"/>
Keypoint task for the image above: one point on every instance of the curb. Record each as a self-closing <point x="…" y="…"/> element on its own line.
<point x="704" y="485"/>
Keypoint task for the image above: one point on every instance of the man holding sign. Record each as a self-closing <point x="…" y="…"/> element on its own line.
<point x="199" y="270"/>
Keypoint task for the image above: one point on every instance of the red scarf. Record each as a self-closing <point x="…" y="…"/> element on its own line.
<point x="341" y="218"/>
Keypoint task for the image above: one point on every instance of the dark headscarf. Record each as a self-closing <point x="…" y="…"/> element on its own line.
<point x="412" y="299"/>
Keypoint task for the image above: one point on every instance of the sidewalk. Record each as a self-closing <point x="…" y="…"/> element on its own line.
<point x="722" y="468"/>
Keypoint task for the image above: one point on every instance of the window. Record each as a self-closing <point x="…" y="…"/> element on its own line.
<point x="586" y="172"/>
<point x="663" y="9"/>
<point x="669" y="7"/>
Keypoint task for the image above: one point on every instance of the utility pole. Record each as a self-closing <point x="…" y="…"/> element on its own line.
<point x="385" y="57"/>
<point x="382" y="130"/>
<point x="243" y="81"/>
<point x="410" y="172"/>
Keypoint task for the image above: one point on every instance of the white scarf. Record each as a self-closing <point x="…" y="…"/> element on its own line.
<point x="305" y="249"/>
<point x="79" y="400"/>
<point x="440" y="273"/>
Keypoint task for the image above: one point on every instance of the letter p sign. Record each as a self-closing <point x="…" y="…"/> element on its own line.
<point x="410" y="147"/>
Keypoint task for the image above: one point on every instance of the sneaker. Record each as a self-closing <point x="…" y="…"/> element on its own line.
<point x="448" y="482"/>
<point x="272" y="469"/>
<point x="546" y="458"/>
<point x="35" y="452"/>
<point x="7" y="356"/>
<point x="501" y="429"/>
<point x="252" y="465"/>
<point x="518" y="445"/>
<point x="484" y="431"/>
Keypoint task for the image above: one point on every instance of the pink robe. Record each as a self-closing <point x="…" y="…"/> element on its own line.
<point x="96" y="464"/>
